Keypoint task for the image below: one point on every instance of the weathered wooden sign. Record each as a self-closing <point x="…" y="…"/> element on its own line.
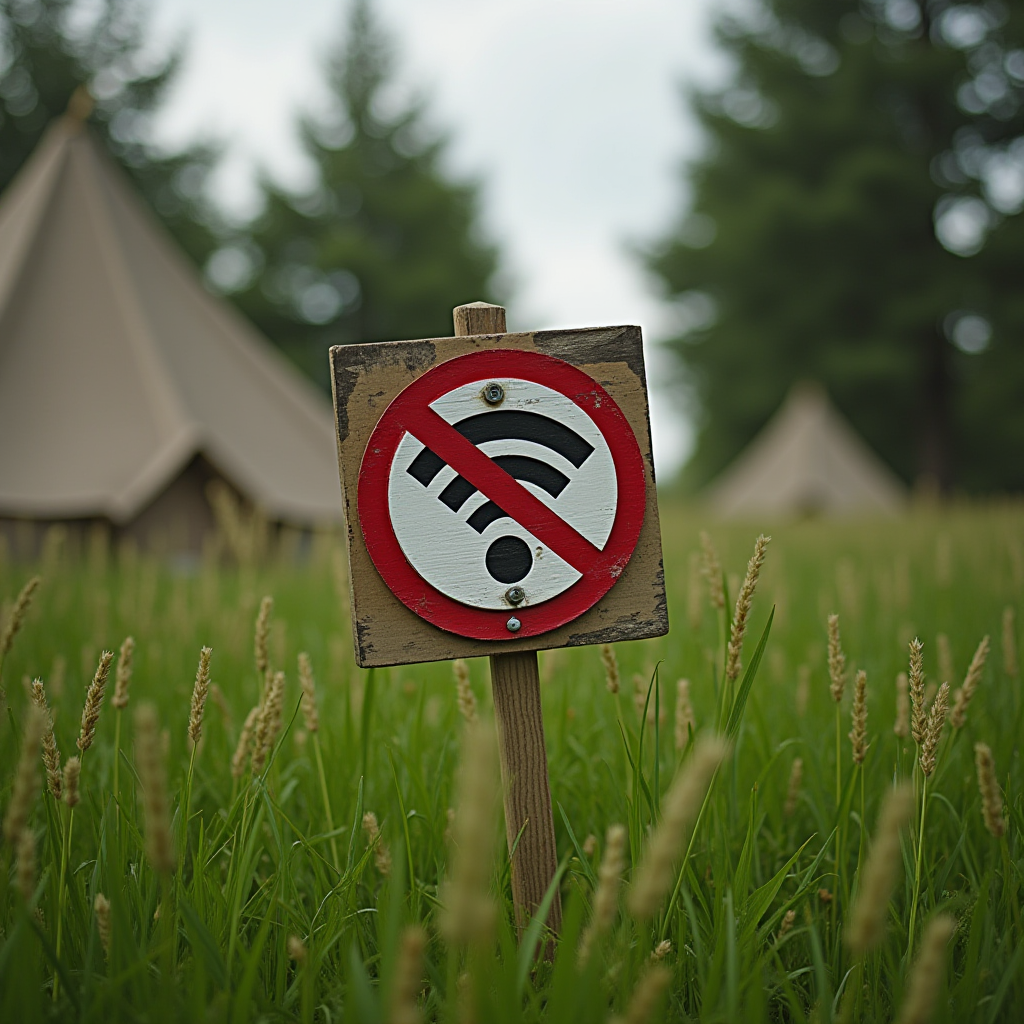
<point x="499" y="498"/>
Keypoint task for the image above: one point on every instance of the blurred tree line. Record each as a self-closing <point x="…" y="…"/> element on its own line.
<point x="855" y="218"/>
<point x="381" y="247"/>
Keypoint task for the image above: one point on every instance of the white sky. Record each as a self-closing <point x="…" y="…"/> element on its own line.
<point x="570" y="112"/>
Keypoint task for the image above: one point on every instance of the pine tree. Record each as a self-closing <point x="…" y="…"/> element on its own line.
<point x="855" y="219"/>
<point x="383" y="246"/>
<point x="48" y="49"/>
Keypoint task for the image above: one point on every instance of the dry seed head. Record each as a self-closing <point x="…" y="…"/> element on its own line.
<point x="744" y="600"/>
<point x="123" y="674"/>
<point x="836" y="659"/>
<point x="13" y="622"/>
<point x="408" y="977"/>
<point x="262" y="633"/>
<point x="94" y="701"/>
<point x="606" y="898"/>
<point x="153" y="776"/>
<point x="926" y="974"/>
<point x="199" y="693"/>
<point x="786" y="926"/>
<point x="268" y="723"/>
<point x="680" y="807"/>
<point x="796" y="778"/>
<point x="381" y="853"/>
<point x="962" y="700"/>
<point x="1010" y="664"/>
<point x="72" y="772"/>
<point x="991" y="797"/>
<point x="24" y="789"/>
<point x="859" y="718"/>
<point x="685" y="721"/>
<point x="51" y="755"/>
<point x="25" y="863"/>
<point x="296" y="949"/>
<point x="244" y="744"/>
<point x="463" y="690"/>
<point x="901" y="727"/>
<point x="590" y="845"/>
<point x="611" y="668"/>
<point x="660" y="951"/>
<point x="308" y="686"/>
<point x="918" y="715"/>
<point x="469" y="910"/>
<point x="933" y="733"/>
<point x="712" y="570"/>
<point x="870" y="909"/>
<point x="101" y="907"/>
<point x="646" y="995"/>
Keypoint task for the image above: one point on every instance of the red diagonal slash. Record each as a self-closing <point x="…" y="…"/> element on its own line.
<point x="504" y="490"/>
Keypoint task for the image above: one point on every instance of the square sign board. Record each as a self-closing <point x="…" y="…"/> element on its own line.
<point x="499" y="494"/>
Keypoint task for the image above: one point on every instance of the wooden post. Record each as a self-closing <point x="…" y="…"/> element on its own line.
<point x="515" y="682"/>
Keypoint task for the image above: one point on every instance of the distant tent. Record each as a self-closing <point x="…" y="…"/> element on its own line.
<point x="807" y="460"/>
<point x="125" y="387"/>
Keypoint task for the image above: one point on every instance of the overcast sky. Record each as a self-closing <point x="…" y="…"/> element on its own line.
<point x="570" y="112"/>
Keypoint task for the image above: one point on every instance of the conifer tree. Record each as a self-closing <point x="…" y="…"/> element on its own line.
<point x="855" y="218"/>
<point x="383" y="246"/>
<point x="48" y="49"/>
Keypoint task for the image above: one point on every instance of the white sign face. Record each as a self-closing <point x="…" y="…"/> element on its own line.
<point x="465" y="545"/>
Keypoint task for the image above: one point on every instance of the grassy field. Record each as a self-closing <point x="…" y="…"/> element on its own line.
<point x="261" y="888"/>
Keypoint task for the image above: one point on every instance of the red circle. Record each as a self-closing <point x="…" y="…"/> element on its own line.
<point x="375" y="471"/>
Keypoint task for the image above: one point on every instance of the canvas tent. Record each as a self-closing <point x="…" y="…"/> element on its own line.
<point x="807" y="460"/>
<point x="125" y="387"/>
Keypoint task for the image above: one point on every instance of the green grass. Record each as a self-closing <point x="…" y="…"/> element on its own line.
<point x="257" y="863"/>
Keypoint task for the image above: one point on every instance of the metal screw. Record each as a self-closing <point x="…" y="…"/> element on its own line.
<point x="494" y="394"/>
<point x="514" y="625"/>
<point x="515" y="595"/>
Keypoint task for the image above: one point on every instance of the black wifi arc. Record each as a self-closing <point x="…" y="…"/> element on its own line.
<point x="502" y="425"/>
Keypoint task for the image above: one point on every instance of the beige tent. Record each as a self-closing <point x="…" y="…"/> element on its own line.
<point x="125" y="387"/>
<point x="807" y="460"/>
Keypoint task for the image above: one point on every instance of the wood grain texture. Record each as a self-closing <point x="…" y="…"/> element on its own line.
<point x="366" y="378"/>
<point x="524" y="773"/>
<point x="478" y="318"/>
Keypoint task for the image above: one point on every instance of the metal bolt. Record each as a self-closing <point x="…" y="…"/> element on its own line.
<point x="515" y="595"/>
<point x="494" y="394"/>
<point x="514" y="625"/>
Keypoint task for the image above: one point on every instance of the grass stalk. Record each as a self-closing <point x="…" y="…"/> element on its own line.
<point x="326" y="799"/>
<point x="917" y="873"/>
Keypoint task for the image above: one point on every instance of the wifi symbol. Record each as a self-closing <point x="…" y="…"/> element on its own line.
<point x="508" y="558"/>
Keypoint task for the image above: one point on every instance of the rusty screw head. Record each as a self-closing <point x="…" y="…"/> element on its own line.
<point x="494" y="394"/>
<point x="514" y="625"/>
<point x="515" y="595"/>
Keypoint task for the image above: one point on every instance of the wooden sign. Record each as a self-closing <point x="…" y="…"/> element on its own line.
<point x="499" y="494"/>
<point x="499" y="498"/>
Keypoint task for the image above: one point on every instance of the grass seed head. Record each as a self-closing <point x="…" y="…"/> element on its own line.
<point x="744" y="601"/>
<point x="12" y="624"/>
<point x="149" y="762"/>
<point x="268" y="723"/>
<point x="933" y="731"/>
<point x="72" y="773"/>
<point x="308" y="685"/>
<point x="463" y="690"/>
<point x="606" y="898"/>
<point x="712" y="571"/>
<point x="685" y="722"/>
<point x="51" y="753"/>
<point x="374" y="839"/>
<point x="926" y="974"/>
<point x="918" y="713"/>
<point x="408" y="977"/>
<point x="648" y="992"/>
<point x="1010" y="664"/>
<point x="796" y="778"/>
<point x="965" y="693"/>
<point x="869" y="913"/>
<point x="836" y="660"/>
<point x="261" y="635"/>
<point x="123" y="674"/>
<point x="94" y="701"/>
<point x="694" y="594"/>
<point x="901" y="726"/>
<point x="859" y="718"/>
<point x="612" y="680"/>
<point x="680" y="808"/>
<point x="25" y="863"/>
<point x="296" y="949"/>
<point x="101" y="907"/>
<point x="24" y="789"/>
<point x="199" y="693"/>
<point x="991" y="797"/>
<point x="787" y="925"/>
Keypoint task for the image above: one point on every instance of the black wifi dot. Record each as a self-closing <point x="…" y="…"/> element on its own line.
<point x="509" y="559"/>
